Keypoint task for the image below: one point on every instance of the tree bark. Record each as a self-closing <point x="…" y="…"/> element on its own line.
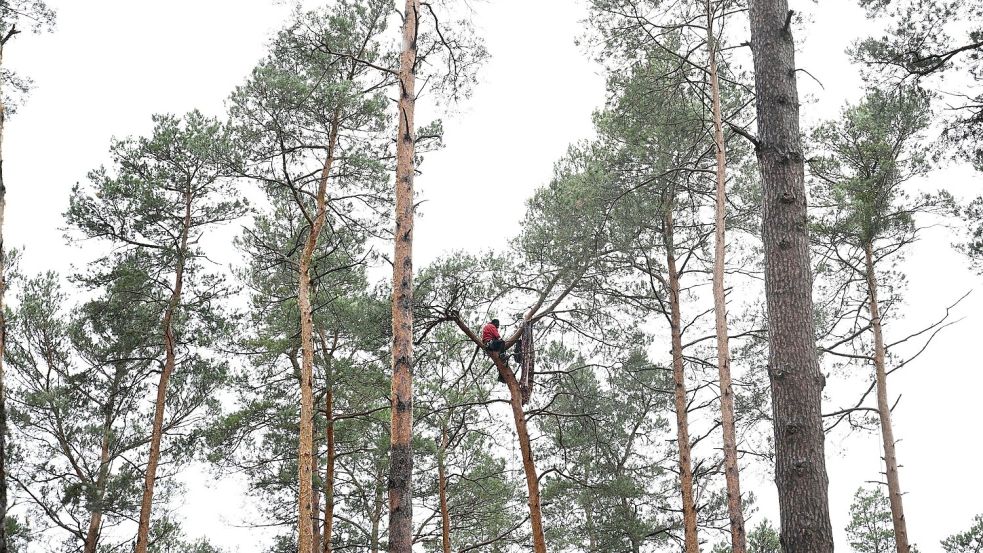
<point x="735" y="509"/>
<point x="692" y="543"/>
<point x="150" y="478"/>
<point x="793" y="364"/>
<point x="305" y="455"/>
<point x="328" y="438"/>
<point x="3" y="322"/>
<point x="400" y="483"/>
<point x="445" y="517"/>
<point x="525" y="446"/>
<point x="884" y="409"/>
<point x="95" y="515"/>
<point x="315" y="512"/>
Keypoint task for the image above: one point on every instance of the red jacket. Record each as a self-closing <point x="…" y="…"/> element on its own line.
<point x="489" y="333"/>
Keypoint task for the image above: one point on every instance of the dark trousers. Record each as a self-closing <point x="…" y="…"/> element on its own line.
<point x="497" y="346"/>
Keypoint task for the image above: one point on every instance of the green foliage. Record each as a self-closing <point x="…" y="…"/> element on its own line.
<point x="973" y="247"/>
<point x="764" y="539"/>
<point x="78" y="379"/>
<point x="870" y="529"/>
<point x="860" y="206"/>
<point x="18" y="535"/>
<point x="317" y="74"/>
<point x="937" y="43"/>
<point x="862" y="162"/>
<point x="15" y="15"/>
<point x="970" y="541"/>
<point x="610" y="489"/>
<point x="453" y="393"/>
<point x="168" y="537"/>
<point x="150" y="213"/>
<point x="34" y="14"/>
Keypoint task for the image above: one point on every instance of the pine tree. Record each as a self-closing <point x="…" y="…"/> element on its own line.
<point x="162" y="196"/>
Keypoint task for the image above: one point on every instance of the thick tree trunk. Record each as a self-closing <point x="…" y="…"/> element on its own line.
<point x="150" y="478"/>
<point x="793" y="364"/>
<point x="3" y="334"/>
<point x="692" y="543"/>
<point x="401" y="449"/>
<point x="445" y="516"/>
<point x="305" y="456"/>
<point x="525" y="446"/>
<point x="738" y="537"/>
<point x="884" y="410"/>
<point x="92" y="533"/>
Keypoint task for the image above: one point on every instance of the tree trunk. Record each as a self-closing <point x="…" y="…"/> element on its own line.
<point x="692" y="543"/>
<point x="738" y="537"/>
<point x="401" y="449"/>
<point x="95" y="515"/>
<point x="525" y="446"/>
<point x="793" y="363"/>
<point x="884" y="410"/>
<point x="588" y="507"/>
<point x="305" y="455"/>
<point x="329" y="473"/>
<point x="445" y="517"/>
<point x="3" y="335"/>
<point x="315" y="511"/>
<point x="328" y="438"/>
<point x="143" y="527"/>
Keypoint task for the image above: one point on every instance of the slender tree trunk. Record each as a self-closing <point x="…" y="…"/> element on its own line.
<point x="401" y="447"/>
<point x="3" y="337"/>
<point x="738" y="537"/>
<point x="445" y="516"/>
<point x="793" y="363"/>
<point x="329" y="473"/>
<point x="692" y="543"/>
<point x="588" y="507"/>
<point x="3" y="321"/>
<point x="329" y="439"/>
<point x="95" y="515"/>
<point x="305" y="456"/>
<point x="884" y="410"/>
<point x="525" y="446"/>
<point x="316" y="511"/>
<point x="143" y="527"/>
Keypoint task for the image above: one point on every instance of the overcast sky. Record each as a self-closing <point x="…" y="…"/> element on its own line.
<point x="110" y="64"/>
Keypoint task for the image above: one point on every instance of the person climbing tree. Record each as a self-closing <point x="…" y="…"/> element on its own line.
<point x="495" y="344"/>
<point x="491" y="338"/>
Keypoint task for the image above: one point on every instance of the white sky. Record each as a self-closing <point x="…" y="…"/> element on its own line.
<point x="112" y="63"/>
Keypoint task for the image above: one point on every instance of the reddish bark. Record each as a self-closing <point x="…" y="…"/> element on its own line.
<point x="305" y="455"/>
<point x="735" y="509"/>
<point x="884" y="409"/>
<point x="691" y="540"/>
<point x="150" y="478"/>
<point x="401" y="448"/>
